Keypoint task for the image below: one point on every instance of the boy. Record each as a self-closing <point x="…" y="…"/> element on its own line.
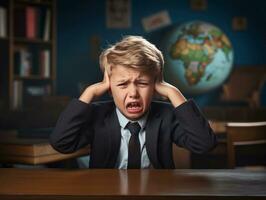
<point x="132" y="131"/>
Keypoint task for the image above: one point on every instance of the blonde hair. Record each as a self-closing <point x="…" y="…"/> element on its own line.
<point x="134" y="52"/>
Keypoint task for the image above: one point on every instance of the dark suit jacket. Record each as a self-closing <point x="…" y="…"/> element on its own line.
<point x="97" y="124"/>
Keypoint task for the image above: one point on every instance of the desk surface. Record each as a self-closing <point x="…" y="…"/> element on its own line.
<point x="31" y="151"/>
<point x="128" y="184"/>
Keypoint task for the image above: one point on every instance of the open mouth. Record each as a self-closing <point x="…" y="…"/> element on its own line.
<point x="134" y="107"/>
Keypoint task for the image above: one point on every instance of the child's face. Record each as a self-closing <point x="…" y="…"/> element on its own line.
<point x="132" y="91"/>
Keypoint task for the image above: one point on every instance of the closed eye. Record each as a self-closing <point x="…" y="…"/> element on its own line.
<point x="122" y="84"/>
<point x="143" y="83"/>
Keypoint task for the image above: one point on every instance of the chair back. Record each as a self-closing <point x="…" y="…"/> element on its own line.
<point x="243" y="133"/>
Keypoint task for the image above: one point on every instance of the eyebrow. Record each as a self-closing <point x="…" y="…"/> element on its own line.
<point x="142" y="79"/>
<point x="138" y="79"/>
<point x="122" y="81"/>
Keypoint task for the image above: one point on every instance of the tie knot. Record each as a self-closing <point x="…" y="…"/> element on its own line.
<point x="134" y="128"/>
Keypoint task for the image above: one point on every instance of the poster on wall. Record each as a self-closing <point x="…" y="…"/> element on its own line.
<point x="239" y="23"/>
<point x="118" y="13"/>
<point x="156" y="21"/>
<point x="198" y="5"/>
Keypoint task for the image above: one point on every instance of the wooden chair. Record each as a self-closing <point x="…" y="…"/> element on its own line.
<point x="244" y="86"/>
<point x="181" y="157"/>
<point x="243" y="133"/>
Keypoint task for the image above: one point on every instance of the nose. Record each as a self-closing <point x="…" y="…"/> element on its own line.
<point x="133" y="91"/>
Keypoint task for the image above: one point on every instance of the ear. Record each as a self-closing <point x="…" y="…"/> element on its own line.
<point x="109" y="69"/>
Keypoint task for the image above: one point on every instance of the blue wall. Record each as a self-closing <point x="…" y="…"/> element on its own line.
<point x="80" y="19"/>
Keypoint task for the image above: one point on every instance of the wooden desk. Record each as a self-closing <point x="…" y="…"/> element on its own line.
<point x="131" y="184"/>
<point x="220" y="126"/>
<point x="31" y="151"/>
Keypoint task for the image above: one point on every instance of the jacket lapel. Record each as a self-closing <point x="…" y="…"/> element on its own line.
<point x="112" y="128"/>
<point x="114" y="137"/>
<point x="152" y="134"/>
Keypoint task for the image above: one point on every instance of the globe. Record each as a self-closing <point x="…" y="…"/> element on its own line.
<point x="198" y="57"/>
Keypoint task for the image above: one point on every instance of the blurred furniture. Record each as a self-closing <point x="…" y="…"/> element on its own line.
<point x="243" y="133"/>
<point x="131" y="184"/>
<point x="32" y="151"/>
<point x="244" y="86"/>
<point x="247" y="153"/>
<point x="181" y="157"/>
<point x="234" y="113"/>
<point x="28" y="50"/>
<point x="40" y="112"/>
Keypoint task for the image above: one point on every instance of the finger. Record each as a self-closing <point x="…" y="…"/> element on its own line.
<point x="106" y="77"/>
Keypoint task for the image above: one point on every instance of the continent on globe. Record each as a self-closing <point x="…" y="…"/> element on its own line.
<point x="203" y="51"/>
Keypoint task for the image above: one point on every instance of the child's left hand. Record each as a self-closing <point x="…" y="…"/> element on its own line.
<point x="170" y="92"/>
<point x="163" y="88"/>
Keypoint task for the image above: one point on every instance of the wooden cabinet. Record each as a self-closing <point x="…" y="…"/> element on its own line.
<point x="27" y="51"/>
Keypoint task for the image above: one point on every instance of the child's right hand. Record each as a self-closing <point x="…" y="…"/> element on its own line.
<point x="96" y="90"/>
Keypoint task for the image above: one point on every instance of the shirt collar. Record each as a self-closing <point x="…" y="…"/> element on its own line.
<point x="123" y="121"/>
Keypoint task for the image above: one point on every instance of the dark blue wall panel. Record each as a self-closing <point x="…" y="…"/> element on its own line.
<point x="80" y="19"/>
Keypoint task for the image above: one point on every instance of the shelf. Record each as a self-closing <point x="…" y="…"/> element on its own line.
<point x="32" y="77"/>
<point x="31" y="41"/>
<point x="33" y="2"/>
<point x="27" y="51"/>
<point x="4" y="38"/>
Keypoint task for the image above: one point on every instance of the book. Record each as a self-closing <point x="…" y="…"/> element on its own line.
<point x="23" y="62"/>
<point x="17" y="100"/>
<point x="31" y="22"/>
<point x="26" y="63"/>
<point x="45" y="61"/>
<point x="3" y="22"/>
<point x="37" y="90"/>
<point x="47" y="26"/>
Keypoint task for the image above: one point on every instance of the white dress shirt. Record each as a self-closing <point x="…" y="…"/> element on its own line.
<point x="122" y="159"/>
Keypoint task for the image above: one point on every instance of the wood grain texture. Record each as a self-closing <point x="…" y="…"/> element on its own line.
<point x="131" y="184"/>
<point x="32" y="151"/>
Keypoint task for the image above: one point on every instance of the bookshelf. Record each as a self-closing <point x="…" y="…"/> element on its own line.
<point x="27" y="51"/>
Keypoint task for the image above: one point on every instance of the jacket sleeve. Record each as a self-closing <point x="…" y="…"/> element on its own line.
<point x="191" y="130"/>
<point x="72" y="130"/>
